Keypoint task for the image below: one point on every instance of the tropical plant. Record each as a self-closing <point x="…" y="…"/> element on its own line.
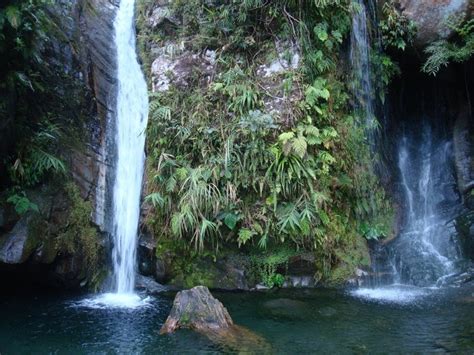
<point x="225" y="171"/>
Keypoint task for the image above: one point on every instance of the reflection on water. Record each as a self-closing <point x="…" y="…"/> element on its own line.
<point x="305" y="321"/>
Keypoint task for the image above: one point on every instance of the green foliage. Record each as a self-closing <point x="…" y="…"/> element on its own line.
<point x="21" y="203"/>
<point x="459" y="49"/>
<point x="41" y="104"/>
<point x="224" y="171"/>
<point x="34" y="160"/>
<point x="384" y="70"/>
<point x="265" y="266"/>
<point x="398" y="31"/>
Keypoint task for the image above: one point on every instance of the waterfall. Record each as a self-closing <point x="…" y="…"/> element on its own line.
<point x="425" y="251"/>
<point x="131" y="121"/>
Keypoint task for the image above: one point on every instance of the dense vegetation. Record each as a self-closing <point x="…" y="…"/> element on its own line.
<point x="227" y="172"/>
<point x="240" y="159"/>
<point x="40" y="101"/>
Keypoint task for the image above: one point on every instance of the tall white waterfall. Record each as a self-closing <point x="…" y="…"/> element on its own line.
<point x="131" y="121"/>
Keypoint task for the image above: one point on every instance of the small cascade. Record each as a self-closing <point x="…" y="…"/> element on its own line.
<point x="131" y="121"/>
<point x="425" y="252"/>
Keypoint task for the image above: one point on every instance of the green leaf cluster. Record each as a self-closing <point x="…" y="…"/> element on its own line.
<point x="398" y="31"/>
<point x="457" y="50"/>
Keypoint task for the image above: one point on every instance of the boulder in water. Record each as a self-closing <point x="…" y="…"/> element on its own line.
<point x="198" y="310"/>
<point x="148" y="284"/>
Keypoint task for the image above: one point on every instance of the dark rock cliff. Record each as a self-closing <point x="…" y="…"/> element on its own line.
<point x="29" y="247"/>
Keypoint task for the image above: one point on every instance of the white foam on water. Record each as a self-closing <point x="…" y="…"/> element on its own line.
<point x="114" y="300"/>
<point x="398" y="294"/>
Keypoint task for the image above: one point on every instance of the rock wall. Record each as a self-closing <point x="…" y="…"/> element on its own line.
<point x="31" y="246"/>
<point x="93" y="38"/>
<point x="430" y="17"/>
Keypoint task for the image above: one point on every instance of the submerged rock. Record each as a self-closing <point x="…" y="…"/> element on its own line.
<point x="327" y="312"/>
<point x="286" y="308"/>
<point x="198" y="310"/>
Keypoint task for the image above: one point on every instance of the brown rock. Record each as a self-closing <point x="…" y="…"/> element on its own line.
<point x="198" y="310"/>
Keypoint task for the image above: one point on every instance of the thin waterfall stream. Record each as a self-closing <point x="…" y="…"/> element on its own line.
<point x="361" y="69"/>
<point x="425" y="252"/>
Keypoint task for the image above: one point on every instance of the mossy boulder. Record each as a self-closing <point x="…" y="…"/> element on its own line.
<point x="431" y="16"/>
<point x="197" y="309"/>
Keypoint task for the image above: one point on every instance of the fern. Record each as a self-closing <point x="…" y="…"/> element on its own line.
<point x="441" y="53"/>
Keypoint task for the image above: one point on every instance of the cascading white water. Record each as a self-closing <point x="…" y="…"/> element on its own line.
<point x="131" y="121"/>
<point x="425" y="252"/>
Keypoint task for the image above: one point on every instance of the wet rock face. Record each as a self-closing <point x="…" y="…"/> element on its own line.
<point x="86" y="51"/>
<point x="94" y="36"/>
<point x="463" y="152"/>
<point x="430" y="17"/>
<point x="15" y="246"/>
